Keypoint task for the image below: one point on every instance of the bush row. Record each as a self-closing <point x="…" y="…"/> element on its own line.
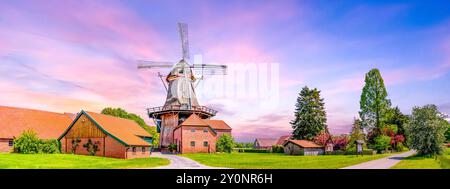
<point x="350" y="152"/>
<point x="29" y="143"/>
<point x="250" y="150"/>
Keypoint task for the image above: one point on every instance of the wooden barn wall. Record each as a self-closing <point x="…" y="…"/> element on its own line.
<point x="85" y="128"/>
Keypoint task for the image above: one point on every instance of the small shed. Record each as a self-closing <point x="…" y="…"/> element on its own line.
<point x="302" y="147"/>
<point x="264" y="143"/>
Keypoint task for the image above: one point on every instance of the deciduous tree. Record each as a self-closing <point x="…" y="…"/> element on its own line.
<point x="374" y="104"/>
<point x="426" y="129"/>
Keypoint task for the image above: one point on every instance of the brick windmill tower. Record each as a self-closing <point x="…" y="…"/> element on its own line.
<point x="180" y="83"/>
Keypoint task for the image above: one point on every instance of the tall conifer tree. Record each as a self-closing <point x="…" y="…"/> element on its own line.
<point x="310" y="116"/>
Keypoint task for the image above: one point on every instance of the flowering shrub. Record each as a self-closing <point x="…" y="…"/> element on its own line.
<point x="322" y="138"/>
<point x="340" y="142"/>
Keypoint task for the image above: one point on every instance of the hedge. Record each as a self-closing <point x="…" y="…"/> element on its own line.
<point x="29" y="143"/>
<point x="350" y="152"/>
<point x="250" y="150"/>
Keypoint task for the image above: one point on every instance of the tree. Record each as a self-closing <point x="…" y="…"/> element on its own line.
<point x="426" y="129"/>
<point x="396" y="117"/>
<point x="225" y="143"/>
<point x="374" y="105"/>
<point x="356" y="133"/>
<point x="119" y="112"/>
<point x="447" y="133"/>
<point x="310" y="116"/>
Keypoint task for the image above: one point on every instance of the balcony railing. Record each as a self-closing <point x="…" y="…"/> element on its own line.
<point x="181" y="108"/>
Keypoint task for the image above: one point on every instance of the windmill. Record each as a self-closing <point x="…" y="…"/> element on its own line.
<point x="180" y="83"/>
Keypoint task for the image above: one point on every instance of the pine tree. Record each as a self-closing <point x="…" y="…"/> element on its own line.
<point x="356" y="133"/>
<point x="374" y="104"/>
<point x="310" y="116"/>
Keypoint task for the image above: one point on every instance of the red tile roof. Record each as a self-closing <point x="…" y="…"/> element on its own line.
<point x="304" y="143"/>
<point x="47" y="125"/>
<point x="282" y="139"/>
<point x="217" y="124"/>
<point x="122" y="129"/>
<point x="194" y="120"/>
<point x="266" y="142"/>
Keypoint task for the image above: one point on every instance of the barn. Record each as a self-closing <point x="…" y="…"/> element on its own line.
<point x="14" y="121"/>
<point x="302" y="147"/>
<point x="103" y="135"/>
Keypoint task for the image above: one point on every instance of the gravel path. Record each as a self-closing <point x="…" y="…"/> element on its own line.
<point x="179" y="162"/>
<point x="383" y="163"/>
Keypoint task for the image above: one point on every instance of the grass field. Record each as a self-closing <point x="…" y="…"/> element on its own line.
<point x="70" y="161"/>
<point x="420" y="162"/>
<point x="279" y="161"/>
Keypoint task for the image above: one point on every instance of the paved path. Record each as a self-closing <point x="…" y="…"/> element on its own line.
<point x="383" y="163"/>
<point x="179" y="162"/>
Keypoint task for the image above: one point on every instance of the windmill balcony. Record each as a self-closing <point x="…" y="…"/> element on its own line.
<point x="176" y="108"/>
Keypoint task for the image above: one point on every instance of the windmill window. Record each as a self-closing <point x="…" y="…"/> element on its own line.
<point x="205" y="130"/>
<point x="205" y="143"/>
<point x="192" y="143"/>
<point x="10" y="143"/>
<point x="143" y="149"/>
<point x="192" y="130"/>
<point x="133" y="150"/>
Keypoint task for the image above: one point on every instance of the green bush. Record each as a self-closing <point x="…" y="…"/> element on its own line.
<point x="400" y="147"/>
<point x="225" y="143"/>
<point x="172" y="147"/>
<point x="277" y="149"/>
<point x="256" y="151"/>
<point x="51" y="146"/>
<point x="382" y="142"/>
<point x="29" y="143"/>
<point x="240" y="149"/>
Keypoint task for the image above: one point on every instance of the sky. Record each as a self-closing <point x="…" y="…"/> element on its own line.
<point x="65" y="56"/>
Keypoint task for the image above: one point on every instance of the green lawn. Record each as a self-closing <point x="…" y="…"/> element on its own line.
<point x="279" y="161"/>
<point x="420" y="162"/>
<point x="70" y="161"/>
<point x="417" y="162"/>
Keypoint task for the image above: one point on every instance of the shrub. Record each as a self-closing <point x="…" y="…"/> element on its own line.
<point x="382" y="143"/>
<point x="29" y="143"/>
<point x="225" y="143"/>
<point x="172" y="147"/>
<point x="277" y="149"/>
<point x="340" y="142"/>
<point x="51" y="146"/>
<point x="400" y="147"/>
<point x="322" y="138"/>
<point x="256" y="151"/>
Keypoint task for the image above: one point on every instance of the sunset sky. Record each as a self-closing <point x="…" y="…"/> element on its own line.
<point x="65" y="56"/>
